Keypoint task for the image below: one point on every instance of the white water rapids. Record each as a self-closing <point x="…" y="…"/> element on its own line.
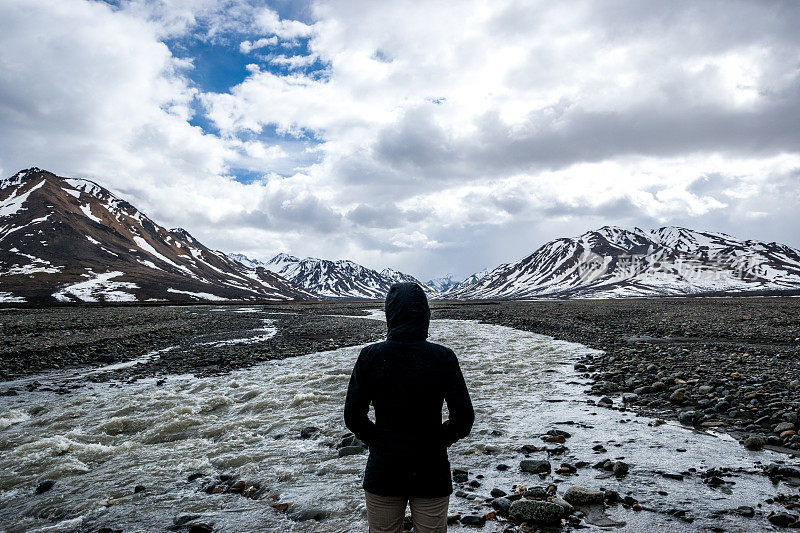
<point x="100" y="441"/>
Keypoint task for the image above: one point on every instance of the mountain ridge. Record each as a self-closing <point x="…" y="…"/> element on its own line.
<point x="72" y="240"/>
<point x="337" y="279"/>
<point x="618" y="262"/>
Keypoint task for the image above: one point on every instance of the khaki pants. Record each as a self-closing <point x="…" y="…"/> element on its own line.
<point x="385" y="514"/>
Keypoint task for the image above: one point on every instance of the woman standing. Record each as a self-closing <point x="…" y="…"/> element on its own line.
<point x="407" y="380"/>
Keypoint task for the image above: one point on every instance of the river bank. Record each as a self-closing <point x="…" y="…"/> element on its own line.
<point x="731" y="364"/>
<point x="202" y="405"/>
<point x="167" y="340"/>
<point x="261" y="448"/>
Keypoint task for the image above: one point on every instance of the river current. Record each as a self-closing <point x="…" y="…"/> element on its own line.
<point x="102" y="440"/>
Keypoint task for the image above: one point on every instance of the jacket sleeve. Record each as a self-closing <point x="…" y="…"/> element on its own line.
<point x="356" y="405"/>
<point x="459" y="404"/>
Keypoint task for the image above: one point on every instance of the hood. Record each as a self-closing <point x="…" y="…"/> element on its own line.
<point x="407" y="312"/>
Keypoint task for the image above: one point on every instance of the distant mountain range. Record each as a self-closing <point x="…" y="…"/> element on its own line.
<point x="71" y="240"/>
<point x="448" y="283"/>
<point x="614" y="262"/>
<point x="333" y="279"/>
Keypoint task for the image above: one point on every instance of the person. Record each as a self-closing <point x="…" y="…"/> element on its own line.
<point x="407" y="380"/>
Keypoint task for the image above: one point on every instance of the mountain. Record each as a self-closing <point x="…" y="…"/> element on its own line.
<point x="443" y="284"/>
<point x="334" y="279"/>
<point x="469" y="280"/>
<point x="616" y="262"/>
<point x="448" y="283"/>
<point x="71" y="240"/>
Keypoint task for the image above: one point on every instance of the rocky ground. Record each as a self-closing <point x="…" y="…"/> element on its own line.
<point x="722" y="364"/>
<point x="732" y="364"/>
<point x="198" y="340"/>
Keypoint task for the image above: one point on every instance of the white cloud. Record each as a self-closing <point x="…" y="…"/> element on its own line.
<point x="247" y="46"/>
<point x="442" y="146"/>
<point x="269" y="21"/>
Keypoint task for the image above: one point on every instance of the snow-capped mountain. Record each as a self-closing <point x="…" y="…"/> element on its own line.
<point x="469" y="280"/>
<point x="334" y="279"/>
<point x="443" y="284"/>
<point x="448" y="283"/>
<point x="64" y="240"/>
<point x="618" y="262"/>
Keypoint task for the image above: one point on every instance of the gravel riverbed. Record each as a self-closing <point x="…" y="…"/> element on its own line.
<point x="731" y="364"/>
<point x="628" y="429"/>
<point x="165" y="340"/>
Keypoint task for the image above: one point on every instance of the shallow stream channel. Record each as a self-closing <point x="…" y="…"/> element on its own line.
<point x="147" y="457"/>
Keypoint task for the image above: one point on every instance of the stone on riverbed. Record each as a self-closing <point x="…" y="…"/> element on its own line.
<point x="350" y="450"/>
<point x="460" y="476"/>
<point x="44" y="486"/>
<point x="303" y="514"/>
<point x="679" y="396"/>
<point x="473" y="520"/>
<point x="579" y="496"/>
<point x="308" y="432"/>
<point x="351" y="440"/>
<point x="536" y="493"/>
<point x="605" y="401"/>
<point x="535" y="466"/>
<point x="620" y="469"/>
<point x="565" y="505"/>
<point x="541" y="512"/>
<point x="687" y="418"/>
<point x="781" y="471"/>
<point x="501" y="504"/>
<point x="753" y="443"/>
<point x="783" y="519"/>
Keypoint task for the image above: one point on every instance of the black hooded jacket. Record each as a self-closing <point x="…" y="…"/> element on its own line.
<point x="407" y="380"/>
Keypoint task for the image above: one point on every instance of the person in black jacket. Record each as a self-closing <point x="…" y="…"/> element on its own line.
<point x="407" y="380"/>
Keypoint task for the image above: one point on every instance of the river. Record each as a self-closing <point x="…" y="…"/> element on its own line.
<point x="100" y="441"/>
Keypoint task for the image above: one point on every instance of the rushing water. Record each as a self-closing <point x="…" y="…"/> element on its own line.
<point x="102" y="440"/>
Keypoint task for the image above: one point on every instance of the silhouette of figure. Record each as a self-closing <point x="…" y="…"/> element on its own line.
<point x="407" y="380"/>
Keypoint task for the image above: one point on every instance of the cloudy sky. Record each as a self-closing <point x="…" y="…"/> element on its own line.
<point x="431" y="137"/>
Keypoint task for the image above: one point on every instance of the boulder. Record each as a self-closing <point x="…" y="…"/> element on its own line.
<point x="579" y="496"/>
<point x="473" y="520"/>
<point x="540" y="512"/>
<point x="564" y="505"/>
<point x="782" y="519"/>
<point x="44" y="486"/>
<point x="501" y="504"/>
<point x="620" y="469"/>
<point x="535" y="466"/>
<point x="687" y="418"/>
<point x="350" y="450"/>
<point x="753" y="443"/>
<point x="308" y="432"/>
<point x="303" y="514"/>
<point x="679" y="396"/>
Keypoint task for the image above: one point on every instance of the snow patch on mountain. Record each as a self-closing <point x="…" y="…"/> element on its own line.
<point x="199" y="295"/>
<point x="14" y="203"/>
<point x="7" y="297"/>
<point x="443" y="284"/>
<point x="98" y="288"/>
